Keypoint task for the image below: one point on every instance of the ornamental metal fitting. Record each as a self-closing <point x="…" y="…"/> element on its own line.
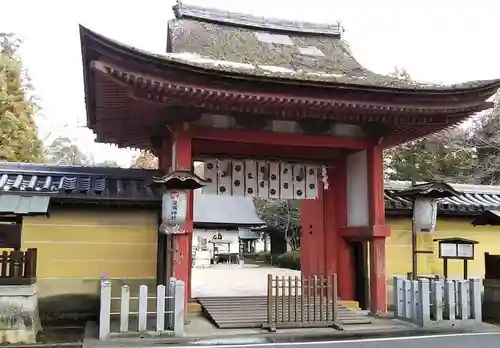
<point x="181" y="179"/>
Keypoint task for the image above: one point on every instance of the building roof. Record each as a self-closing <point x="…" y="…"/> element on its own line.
<point x="230" y="210"/>
<point x="224" y="63"/>
<point x="473" y="199"/>
<point x="238" y="42"/>
<point x="185" y="11"/>
<point x="117" y="186"/>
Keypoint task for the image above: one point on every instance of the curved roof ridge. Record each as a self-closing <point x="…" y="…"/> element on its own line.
<point x="182" y="10"/>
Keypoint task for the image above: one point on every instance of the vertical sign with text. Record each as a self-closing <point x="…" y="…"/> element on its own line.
<point x="174" y="211"/>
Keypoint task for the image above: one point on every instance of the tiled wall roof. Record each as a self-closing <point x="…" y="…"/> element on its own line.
<point x="474" y="198"/>
<point x="119" y="185"/>
<point x="129" y="185"/>
<point x="85" y="183"/>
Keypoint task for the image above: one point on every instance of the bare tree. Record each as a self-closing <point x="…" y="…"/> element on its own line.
<point x="284" y="216"/>
<point x="443" y="156"/>
<point x="484" y="138"/>
<point x="145" y="160"/>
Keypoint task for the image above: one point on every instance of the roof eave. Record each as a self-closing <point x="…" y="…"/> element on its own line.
<point x="110" y="201"/>
<point x="88" y="82"/>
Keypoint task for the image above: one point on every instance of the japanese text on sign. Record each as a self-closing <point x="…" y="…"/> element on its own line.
<point x="174" y="210"/>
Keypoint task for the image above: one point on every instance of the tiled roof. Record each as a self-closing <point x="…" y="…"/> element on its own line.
<point x="473" y="198"/>
<point x="129" y="185"/>
<point x="83" y="183"/>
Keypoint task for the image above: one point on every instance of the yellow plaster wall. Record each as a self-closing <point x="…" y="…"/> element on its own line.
<point x="76" y="246"/>
<point x="398" y="250"/>
<point x="399" y="247"/>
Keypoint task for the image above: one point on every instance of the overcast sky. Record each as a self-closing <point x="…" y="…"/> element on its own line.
<point x="442" y="41"/>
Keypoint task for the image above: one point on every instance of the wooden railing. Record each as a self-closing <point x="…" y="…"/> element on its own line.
<point x="18" y="267"/>
<point x="294" y="302"/>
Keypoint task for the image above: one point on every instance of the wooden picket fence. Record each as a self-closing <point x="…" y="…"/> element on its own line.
<point x="429" y="301"/>
<point x="166" y="319"/>
<point x="294" y="302"/>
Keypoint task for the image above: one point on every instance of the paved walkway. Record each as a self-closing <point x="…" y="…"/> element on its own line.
<point x="234" y="280"/>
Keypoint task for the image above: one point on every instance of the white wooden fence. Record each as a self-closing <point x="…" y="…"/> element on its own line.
<point x="166" y="319"/>
<point x="426" y="302"/>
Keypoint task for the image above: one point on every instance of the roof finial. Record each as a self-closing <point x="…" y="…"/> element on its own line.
<point x="177" y="8"/>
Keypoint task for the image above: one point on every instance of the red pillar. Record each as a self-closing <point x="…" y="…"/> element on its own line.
<point x="306" y="238"/>
<point x="330" y="224"/>
<point x="345" y="271"/>
<point x="379" y="231"/>
<point x="182" y="159"/>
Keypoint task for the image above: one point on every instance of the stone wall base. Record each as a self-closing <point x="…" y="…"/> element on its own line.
<point x="19" y="317"/>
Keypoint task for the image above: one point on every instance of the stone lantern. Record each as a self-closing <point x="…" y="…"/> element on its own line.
<point x="424" y="198"/>
<point x="174" y="207"/>
<point x="175" y="187"/>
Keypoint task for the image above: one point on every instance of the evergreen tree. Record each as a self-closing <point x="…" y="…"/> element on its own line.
<point x="19" y="140"/>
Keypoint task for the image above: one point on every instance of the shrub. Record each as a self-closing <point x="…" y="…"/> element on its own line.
<point x="290" y="260"/>
<point x="267" y="257"/>
<point x="263" y="256"/>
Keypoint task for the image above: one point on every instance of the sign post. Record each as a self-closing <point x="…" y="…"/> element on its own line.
<point x="174" y="211"/>
<point x="456" y="248"/>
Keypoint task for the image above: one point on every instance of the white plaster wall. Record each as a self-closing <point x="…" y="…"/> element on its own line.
<point x="357" y="189"/>
<point x="260" y="245"/>
<point x="199" y="234"/>
<point x="231" y="236"/>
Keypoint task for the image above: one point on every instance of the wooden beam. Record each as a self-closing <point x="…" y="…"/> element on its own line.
<point x="283" y="139"/>
<point x="212" y="148"/>
<point x="363" y="232"/>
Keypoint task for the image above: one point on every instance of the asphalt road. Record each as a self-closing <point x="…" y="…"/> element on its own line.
<point x="482" y="340"/>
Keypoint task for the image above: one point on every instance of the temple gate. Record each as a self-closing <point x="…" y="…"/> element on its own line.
<point x="275" y="109"/>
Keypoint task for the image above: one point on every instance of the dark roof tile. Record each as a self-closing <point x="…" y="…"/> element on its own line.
<point x="472" y="198"/>
<point x="120" y="185"/>
<point x="85" y="183"/>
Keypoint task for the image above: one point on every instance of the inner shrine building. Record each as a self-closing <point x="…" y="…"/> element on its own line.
<point x="276" y="109"/>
